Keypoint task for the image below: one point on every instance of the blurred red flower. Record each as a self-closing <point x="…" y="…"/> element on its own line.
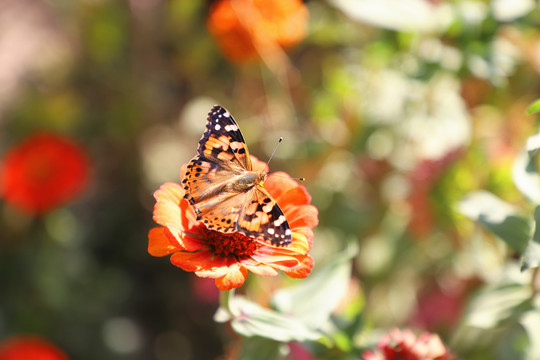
<point x="404" y="345"/>
<point x="42" y="172"/>
<point x="228" y="257"/>
<point x="439" y="308"/>
<point x="245" y="29"/>
<point x="30" y="348"/>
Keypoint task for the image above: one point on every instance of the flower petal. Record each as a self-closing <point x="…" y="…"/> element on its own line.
<point x="174" y="212"/>
<point x="295" y="197"/>
<point x="159" y="243"/>
<point x="218" y="266"/>
<point x="167" y="208"/>
<point x="302" y="240"/>
<point x="302" y="270"/>
<point x="275" y="257"/>
<point x="278" y="183"/>
<point x="304" y="215"/>
<point x="258" y="268"/>
<point x="258" y="165"/>
<point x="191" y="261"/>
<point x="234" y="278"/>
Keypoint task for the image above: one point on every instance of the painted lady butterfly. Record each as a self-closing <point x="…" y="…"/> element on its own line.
<point x="227" y="195"/>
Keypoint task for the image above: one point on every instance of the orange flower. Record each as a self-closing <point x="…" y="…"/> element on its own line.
<point x="228" y="257"/>
<point x="29" y="348"/>
<point x="43" y="172"/>
<point x="404" y="345"/>
<point x="244" y="29"/>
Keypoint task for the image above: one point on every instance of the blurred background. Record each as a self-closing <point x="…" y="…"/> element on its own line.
<point x="393" y="110"/>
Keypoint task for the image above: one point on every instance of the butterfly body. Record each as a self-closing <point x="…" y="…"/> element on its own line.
<point x="226" y="193"/>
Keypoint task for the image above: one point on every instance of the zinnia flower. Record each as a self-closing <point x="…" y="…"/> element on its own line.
<point x="30" y="348"/>
<point x="228" y="257"/>
<point x="246" y="28"/>
<point x="404" y="345"/>
<point x="42" y="172"/>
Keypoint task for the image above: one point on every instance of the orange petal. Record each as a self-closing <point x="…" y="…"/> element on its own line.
<point x="159" y="242"/>
<point x="175" y="213"/>
<point x="274" y="257"/>
<point x="258" y="165"/>
<point x="167" y="209"/>
<point x="301" y="243"/>
<point x="278" y="183"/>
<point x="258" y="268"/>
<point x="304" y="215"/>
<point x="296" y="196"/>
<point x="189" y="219"/>
<point x="302" y="270"/>
<point x="233" y="279"/>
<point x="169" y="192"/>
<point x="191" y="261"/>
<point x="218" y="266"/>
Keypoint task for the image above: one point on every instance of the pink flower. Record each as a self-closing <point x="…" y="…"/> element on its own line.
<point x="404" y="345"/>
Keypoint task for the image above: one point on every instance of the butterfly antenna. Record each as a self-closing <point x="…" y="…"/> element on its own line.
<point x="271" y="156"/>
<point x="273" y="152"/>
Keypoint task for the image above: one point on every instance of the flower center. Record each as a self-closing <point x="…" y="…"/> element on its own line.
<point x="231" y="245"/>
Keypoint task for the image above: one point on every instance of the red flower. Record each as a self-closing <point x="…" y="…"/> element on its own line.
<point x="404" y="345"/>
<point x="42" y="172"/>
<point x="228" y="257"/>
<point x="29" y="348"/>
<point x="244" y="29"/>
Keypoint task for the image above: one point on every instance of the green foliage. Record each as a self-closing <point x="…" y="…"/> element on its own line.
<point x="534" y="107"/>
<point x="294" y="319"/>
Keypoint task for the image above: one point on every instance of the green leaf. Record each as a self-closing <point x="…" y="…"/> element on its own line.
<point x="525" y="173"/>
<point x="497" y="305"/>
<point x="498" y="217"/>
<point x="250" y="319"/>
<point x="312" y="300"/>
<point x="531" y="256"/>
<point x="257" y="348"/>
<point x="534" y="107"/>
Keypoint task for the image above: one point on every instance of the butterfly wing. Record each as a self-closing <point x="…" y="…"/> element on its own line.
<point x="223" y="155"/>
<point x="253" y="213"/>
<point x="262" y="217"/>
<point x="210" y="185"/>
<point x="222" y="142"/>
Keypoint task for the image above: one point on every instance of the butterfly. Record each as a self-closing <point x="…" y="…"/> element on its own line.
<point x="225" y="192"/>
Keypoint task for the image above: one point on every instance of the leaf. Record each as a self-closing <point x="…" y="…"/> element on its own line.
<point x="498" y="304"/>
<point x="531" y="256"/>
<point x="312" y="300"/>
<point x="250" y="319"/>
<point x="498" y="217"/>
<point x="257" y="348"/>
<point x="534" y="107"/>
<point x="525" y="173"/>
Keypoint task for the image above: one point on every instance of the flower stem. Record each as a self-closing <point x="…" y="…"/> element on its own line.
<point x="224" y="299"/>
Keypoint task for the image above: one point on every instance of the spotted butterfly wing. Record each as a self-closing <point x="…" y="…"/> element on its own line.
<point x="224" y="191"/>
